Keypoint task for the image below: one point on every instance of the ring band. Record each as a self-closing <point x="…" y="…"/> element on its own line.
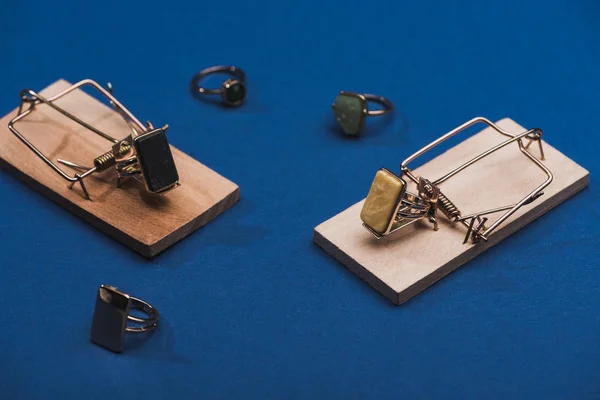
<point x="111" y="314"/>
<point x="351" y="110"/>
<point x="232" y="91"/>
<point x="387" y="105"/>
<point x="148" y="323"/>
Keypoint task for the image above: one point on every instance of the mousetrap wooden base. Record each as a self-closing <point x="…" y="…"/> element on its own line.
<point x="145" y="222"/>
<point x="406" y="262"/>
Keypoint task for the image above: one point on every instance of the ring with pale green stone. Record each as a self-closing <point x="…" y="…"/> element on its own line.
<point x="232" y="91"/>
<point x="351" y="110"/>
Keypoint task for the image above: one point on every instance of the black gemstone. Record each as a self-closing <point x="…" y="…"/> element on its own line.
<point x="156" y="160"/>
<point x="110" y="318"/>
<point x="235" y="93"/>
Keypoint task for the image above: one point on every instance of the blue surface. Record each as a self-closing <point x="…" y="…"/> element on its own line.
<point x="251" y="307"/>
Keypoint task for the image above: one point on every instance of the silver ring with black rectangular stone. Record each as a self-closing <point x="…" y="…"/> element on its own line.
<point x="232" y="91"/>
<point x="351" y="110"/>
<point x="112" y="315"/>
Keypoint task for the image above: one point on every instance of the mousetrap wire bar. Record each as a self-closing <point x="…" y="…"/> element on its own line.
<point x="32" y="98"/>
<point x="479" y="231"/>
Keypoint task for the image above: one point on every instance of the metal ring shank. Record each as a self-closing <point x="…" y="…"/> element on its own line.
<point x="387" y="105"/>
<point x="412" y="206"/>
<point x="148" y="323"/>
<point x="226" y="69"/>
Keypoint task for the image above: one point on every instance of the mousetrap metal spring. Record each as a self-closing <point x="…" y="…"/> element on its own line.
<point x="144" y="154"/>
<point x="389" y="207"/>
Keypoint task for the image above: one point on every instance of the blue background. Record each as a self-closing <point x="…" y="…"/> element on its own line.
<point x="251" y="307"/>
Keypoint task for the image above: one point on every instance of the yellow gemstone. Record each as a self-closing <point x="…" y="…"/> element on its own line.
<point x="381" y="205"/>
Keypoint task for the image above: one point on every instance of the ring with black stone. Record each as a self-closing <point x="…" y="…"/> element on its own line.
<point x="111" y="316"/>
<point x="232" y="91"/>
<point x="351" y="110"/>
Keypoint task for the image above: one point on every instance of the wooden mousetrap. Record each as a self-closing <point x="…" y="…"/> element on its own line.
<point x="416" y="227"/>
<point x="105" y="166"/>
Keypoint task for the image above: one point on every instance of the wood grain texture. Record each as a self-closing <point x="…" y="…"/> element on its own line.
<point x="405" y="263"/>
<point x="147" y="223"/>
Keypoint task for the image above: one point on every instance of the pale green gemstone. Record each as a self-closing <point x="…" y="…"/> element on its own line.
<point x="349" y="112"/>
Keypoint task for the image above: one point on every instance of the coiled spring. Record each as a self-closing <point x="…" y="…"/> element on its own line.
<point x="107" y="160"/>
<point x="446" y="206"/>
